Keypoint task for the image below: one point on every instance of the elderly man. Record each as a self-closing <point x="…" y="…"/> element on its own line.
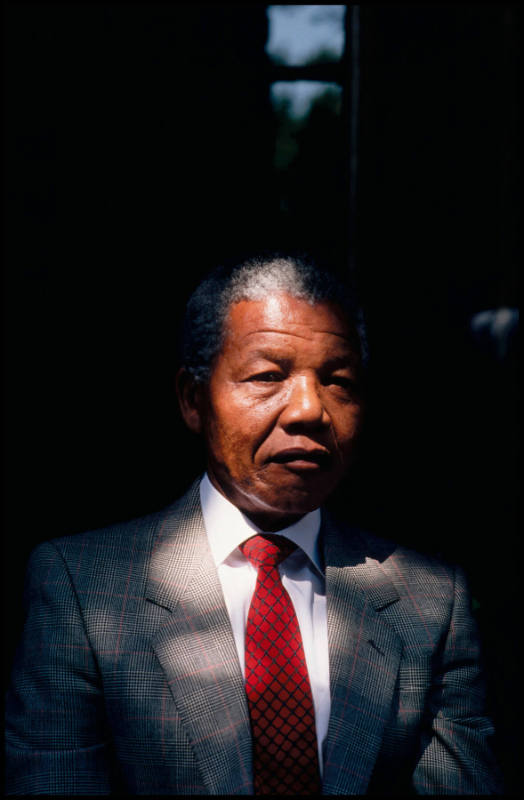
<point x="242" y="641"/>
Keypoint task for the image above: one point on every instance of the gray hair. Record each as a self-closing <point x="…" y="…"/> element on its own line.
<point x="254" y="279"/>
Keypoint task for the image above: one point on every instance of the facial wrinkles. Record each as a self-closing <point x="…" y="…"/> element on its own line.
<point x="299" y="390"/>
<point x="308" y="334"/>
<point x="334" y="439"/>
<point x="281" y="345"/>
<point x="281" y="317"/>
<point x="276" y="346"/>
<point x="276" y="398"/>
<point x="253" y="417"/>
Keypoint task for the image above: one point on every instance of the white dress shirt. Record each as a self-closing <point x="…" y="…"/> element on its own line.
<point x="227" y="527"/>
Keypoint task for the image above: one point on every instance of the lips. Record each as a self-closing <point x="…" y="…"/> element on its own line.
<point x="302" y="458"/>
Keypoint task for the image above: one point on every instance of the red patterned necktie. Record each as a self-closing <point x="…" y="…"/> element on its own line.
<point x="285" y="755"/>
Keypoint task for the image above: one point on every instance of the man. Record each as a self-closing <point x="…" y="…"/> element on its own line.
<point x="242" y="640"/>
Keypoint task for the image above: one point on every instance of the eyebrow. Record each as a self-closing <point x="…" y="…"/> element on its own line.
<point x="287" y="333"/>
<point x="269" y="354"/>
<point x="338" y="362"/>
<point x="335" y="362"/>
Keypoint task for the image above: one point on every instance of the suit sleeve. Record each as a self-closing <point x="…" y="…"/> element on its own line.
<point x="56" y="737"/>
<point x="455" y="755"/>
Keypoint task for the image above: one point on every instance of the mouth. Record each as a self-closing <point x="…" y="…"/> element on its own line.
<point x="302" y="460"/>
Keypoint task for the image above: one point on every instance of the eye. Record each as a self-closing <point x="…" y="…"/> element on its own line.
<point x="343" y="384"/>
<point x="267" y="377"/>
<point x="341" y="380"/>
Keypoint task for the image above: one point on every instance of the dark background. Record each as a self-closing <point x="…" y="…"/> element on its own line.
<point x="140" y="151"/>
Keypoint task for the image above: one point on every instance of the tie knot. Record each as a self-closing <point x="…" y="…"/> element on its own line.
<point x="267" y="550"/>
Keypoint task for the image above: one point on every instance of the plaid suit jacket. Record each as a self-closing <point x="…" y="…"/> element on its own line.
<point x="127" y="679"/>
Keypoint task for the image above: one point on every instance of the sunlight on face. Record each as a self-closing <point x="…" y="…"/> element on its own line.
<point x="282" y="408"/>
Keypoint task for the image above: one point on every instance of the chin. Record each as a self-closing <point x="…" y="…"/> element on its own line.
<point x="298" y="506"/>
<point x="305" y="498"/>
<point x="291" y="496"/>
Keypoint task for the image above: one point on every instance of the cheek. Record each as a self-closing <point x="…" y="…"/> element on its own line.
<point x="346" y="426"/>
<point x="249" y="419"/>
<point x="222" y="436"/>
<point x="236" y="428"/>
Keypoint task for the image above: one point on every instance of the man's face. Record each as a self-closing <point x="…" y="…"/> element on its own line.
<point x="281" y="412"/>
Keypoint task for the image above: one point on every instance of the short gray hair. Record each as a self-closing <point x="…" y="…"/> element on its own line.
<point x="254" y="279"/>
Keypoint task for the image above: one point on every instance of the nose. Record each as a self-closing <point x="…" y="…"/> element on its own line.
<point x="304" y="405"/>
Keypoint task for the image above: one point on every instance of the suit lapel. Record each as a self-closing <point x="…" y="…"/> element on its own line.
<point x="196" y="649"/>
<point x="364" y="654"/>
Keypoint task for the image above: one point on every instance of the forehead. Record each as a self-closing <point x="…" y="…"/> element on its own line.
<point x="281" y="318"/>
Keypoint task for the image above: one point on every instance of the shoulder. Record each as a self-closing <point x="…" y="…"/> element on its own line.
<point x="420" y="595"/>
<point x="403" y="563"/>
<point x="112" y="555"/>
<point x="433" y="589"/>
<point x="408" y="569"/>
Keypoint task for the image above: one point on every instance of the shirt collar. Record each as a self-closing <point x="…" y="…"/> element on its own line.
<point x="227" y="527"/>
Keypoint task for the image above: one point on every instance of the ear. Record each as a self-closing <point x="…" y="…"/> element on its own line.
<point x="190" y="395"/>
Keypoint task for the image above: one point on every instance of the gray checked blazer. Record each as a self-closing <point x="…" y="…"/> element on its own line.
<point x="127" y="679"/>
